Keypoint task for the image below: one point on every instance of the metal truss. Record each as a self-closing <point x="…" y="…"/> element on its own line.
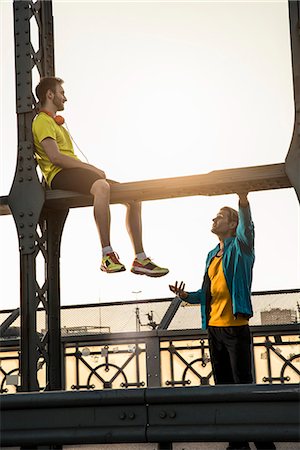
<point x="39" y="230"/>
<point x="292" y="162"/>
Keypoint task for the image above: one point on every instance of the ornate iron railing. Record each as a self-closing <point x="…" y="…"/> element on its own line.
<point x="157" y="358"/>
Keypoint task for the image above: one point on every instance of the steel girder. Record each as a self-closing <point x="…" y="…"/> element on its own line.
<point x="292" y="162"/>
<point x="193" y="414"/>
<point x="39" y="230"/>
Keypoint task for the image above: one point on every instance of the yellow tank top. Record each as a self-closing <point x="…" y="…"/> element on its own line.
<point x="221" y="314"/>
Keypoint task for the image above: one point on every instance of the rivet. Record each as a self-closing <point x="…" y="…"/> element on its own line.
<point x="21" y="225"/>
<point x="29" y="167"/>
<point x="30" y="213"/>
<point x="31" y="225"/>
<point x="31" y="247"/>
<point x="20" y="179"/>
<point x="131" y="415"/>
<point x="163" y="414"/>
<point x="122" y="416"/>
<point x="20" y="169"/>
<point x="22" y="247"/>
<point x="28" y="157"/>
<point x="21" y="214"/>
<point x="21" y="236"/>
<point x="172" y="414"/>
<point x="29" y="178"/>
<point x="31" y="235"/>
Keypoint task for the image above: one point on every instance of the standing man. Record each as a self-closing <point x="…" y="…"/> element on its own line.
<point x="225" y="299"/>
<point x="62" y="169"/>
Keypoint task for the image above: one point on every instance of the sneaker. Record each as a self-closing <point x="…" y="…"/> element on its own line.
<point x="147" y="267"/>
<point x="111" y="264"/>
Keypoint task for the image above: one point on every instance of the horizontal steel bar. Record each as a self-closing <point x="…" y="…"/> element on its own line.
<point x="217" y="182"/>
<point x="164" y="335"/>
<point x="218" y="413"/>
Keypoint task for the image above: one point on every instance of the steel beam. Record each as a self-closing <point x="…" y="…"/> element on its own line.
<point x="194" y="414"/>
<point x="292" y="162"/>
<point x="218" y="182"/>
<point x="169" y="314"/>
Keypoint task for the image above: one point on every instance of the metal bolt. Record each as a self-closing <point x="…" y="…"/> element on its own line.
<point x="30" y="213"/>
<point x="20" y="169"/>
<point x="21" y="214"/>
<point x="29" y="178"/>
<point x="21" y="225"/>
<point x="131" y="415"/>
<point x="163" y="414"/>
<point x="172" y="414"/>
<point x="20" y="179"/>
<point x="122" y="416"/>
<point x="31" y="235"/>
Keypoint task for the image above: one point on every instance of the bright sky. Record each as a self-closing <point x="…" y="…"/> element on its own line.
<point x="161" y="89"/>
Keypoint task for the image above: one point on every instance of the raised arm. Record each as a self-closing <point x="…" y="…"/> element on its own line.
<point x="245" y="229"/>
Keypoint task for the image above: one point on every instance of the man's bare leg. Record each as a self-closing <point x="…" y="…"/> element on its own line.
<point x="134" y="225"/>
<point x="142" y="265"/>
<point x="101" y="193"/>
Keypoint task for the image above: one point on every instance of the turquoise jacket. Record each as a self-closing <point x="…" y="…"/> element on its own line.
<point x="238" y="260"/>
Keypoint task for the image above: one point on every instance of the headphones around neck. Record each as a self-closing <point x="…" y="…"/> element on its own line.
<point x="58" y="119"/>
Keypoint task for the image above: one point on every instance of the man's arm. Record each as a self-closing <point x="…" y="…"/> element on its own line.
<point x="65" y="161"/>
<point x="189" y="297"/>
<point x="245" y="229"/>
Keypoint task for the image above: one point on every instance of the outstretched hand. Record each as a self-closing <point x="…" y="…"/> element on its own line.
<point x="243" y="197"/>
<point x="178" y="290"/>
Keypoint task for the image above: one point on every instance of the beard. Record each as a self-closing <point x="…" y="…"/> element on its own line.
<point x="58" y="103"/>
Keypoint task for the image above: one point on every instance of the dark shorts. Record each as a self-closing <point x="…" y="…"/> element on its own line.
<point x="77" y="180"/>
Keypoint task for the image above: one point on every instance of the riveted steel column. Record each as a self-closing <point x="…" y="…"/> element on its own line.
<point x="292" y="162"/>
<point x="153" y="361"/>
<point x="54" y="222"/>
<point x="27" y="196"/>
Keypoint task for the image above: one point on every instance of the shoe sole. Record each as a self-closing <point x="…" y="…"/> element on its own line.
<point x="149" y="273"/>
<point x="113" y="271"/>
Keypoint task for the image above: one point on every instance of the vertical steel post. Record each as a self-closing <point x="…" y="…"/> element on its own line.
<point x="55" y="221"/>
<point x="153" y="362"/>
<point x="292" y="162"/>
<point x="26" y="201"/>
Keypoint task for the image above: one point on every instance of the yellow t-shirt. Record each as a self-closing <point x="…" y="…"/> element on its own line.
<point x="221" y="314"/>
<point x="43" y="126"/>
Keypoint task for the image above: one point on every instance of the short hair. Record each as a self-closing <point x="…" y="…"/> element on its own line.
<point x="44" y="85"/>
<point x="233" y="216"/>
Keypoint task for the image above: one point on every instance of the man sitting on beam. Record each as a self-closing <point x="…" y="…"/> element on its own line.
<point x="62" y="169"/>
